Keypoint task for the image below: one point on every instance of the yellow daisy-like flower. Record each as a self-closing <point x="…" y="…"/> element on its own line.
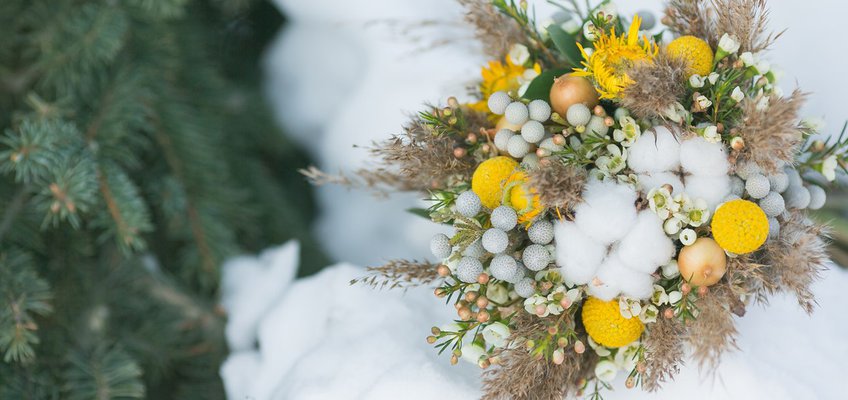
<point x="605" y="324"/>
<point x="501" y="77"/>
<point x="740" y="226"/>
<point x="695" y="51"/>
<point x="522" y="198"/>
<point x="613" y="56"/>
<point x="490" y="178"/>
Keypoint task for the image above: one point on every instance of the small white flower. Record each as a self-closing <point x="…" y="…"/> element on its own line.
<point x="676" y="113"/>
<point x="590" y="32"/>
<point x="688" y="236"/>
<point x="814" y="124"/>
<point x="496" y="334"/>
<point x="609" y="9"/>
<point x="497" y="293"/>
<point x="629" y="132"/>
<point x="659" y="297"/>
<point x="530" y="305"/>
<point x="737" y="94"/>
<point x="672" y="226"/>
<point x="711" y="134"/>
<point x="747" y="58"/>
<point x="763" y="67"/>
<point x="614" y="162"/>
<point x="829" y="168"/>
<point x="649" y="314"/>
<point x="713" y="77"/>
<point x="519" y="54"/>
<point x="697" y="212"/>
<point x="472" y="353"/>
<point x="674" y="297"/>
<point x="606" y="371"/>
<point x="728" y="44"/>
<point x="601" y="351"/>
<point x="670" y="270"/>
<point x="628" y="307"/>
<point x="625" y="358"/>
<point x="697" y="81"/>
<point x="703" y="102"/>
<point x="661" y="202"/>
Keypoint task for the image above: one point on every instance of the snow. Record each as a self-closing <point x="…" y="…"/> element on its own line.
<point x="326" y="339"/>
<point x="340" y="75"/>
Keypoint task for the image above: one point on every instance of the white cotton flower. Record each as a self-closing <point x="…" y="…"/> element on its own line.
<point x="519" y="54"/>
<point x="607" y="211"/>
<point x="688" y="236"/>
<point x="606" y="371"/>
<point x="711" y="134"/>
<point x="728" y="44"/>
<point x="496" y="334"/>
<point x="700" y="157"/>
<point x="712" y="189"/>
<point x="737" y="94"/>
<point x="697" y="81"/>
<point x="829" y="167"/>
<point x="656" y="150"/>
<point x="646" y="246"/>
<point x="703" y="102"/>
<point x="614" y="161"/>
<point x="614" y="278"/>
<point x="713" y="77"/>
<point x="576" y="253"/>
<point x="652" y="180"/>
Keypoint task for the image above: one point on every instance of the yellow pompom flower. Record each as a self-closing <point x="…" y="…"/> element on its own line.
<point x="695" y="51"/>
<point x="605" y="324"/>
<point x="522" y="198"/>
<point x="613" y="56"/>
<point x="501" y="77"/>
<point x="740" y="226"/>
<point x="490" y="178"/>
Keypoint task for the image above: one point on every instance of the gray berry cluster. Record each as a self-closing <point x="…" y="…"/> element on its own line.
<point x="529" y="117"/>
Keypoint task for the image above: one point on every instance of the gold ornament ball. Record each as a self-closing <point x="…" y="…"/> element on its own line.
<point x="702" y="263"/>
<point x="569" y="90"/>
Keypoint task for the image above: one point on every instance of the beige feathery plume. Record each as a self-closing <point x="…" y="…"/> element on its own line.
<point x="771" y="133"/>
<point x="656" y="85"/>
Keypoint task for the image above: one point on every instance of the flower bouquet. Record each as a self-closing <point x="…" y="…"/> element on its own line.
<point x="616" y="198"/>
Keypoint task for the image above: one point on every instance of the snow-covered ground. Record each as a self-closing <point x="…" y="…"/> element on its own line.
<point x="346" y="73"/>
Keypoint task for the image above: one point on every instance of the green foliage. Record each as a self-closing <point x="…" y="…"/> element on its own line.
<point x="136" y="154"/>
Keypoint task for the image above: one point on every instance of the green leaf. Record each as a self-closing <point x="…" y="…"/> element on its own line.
<point x="540" y="87"/>
<point x="566" y="43"/>
<point x="421" y="212"/>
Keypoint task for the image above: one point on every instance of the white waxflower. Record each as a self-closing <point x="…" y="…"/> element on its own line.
<point x="606" y="371"/>
<point x="661" y="202"/>
<point x="519" y="54"/>
<point x="628" y="307"/>
<point x="590" y="32"/>
<point x="676" y="112"/>
<point x="829" y="167"/>
<point x="472" y="353"/>
<point x="711" y="134"/>
<point x="747" y="58"/>
<point x="649" y="314"/>
<point x="713" y="77"/>
<point x="763" y="67"/>
<point x="737" y="94"/>
<point x="609" y="9"/>
<point x="614" y="161"/>
<point x="531" y="303"/>
<point x="728" y="44"/>
<point x="496" y="334"/>
<point x="674" y="297"/>
<point x="659" y="297"/>
<point x="697" y="81"/>
<point x="671" y="270"/>
<point x="672" y="226"/>
<point x="688" y="236"/>
<point x="703" y="102"/>
<point x="629" y="132"/>
<point x="497" y="293"/>
<point x="625" y="358"/>
<point x="694" y="212"/>
<point x="814" y="124"/>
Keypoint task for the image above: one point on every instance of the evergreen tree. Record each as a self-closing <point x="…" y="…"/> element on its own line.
<point x="136" y="155"/>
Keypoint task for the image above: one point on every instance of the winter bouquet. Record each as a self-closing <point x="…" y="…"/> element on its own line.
<point x="616" y="197"/>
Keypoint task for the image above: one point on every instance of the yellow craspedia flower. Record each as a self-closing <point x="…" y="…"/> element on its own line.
<point x="498" y="76"/>
<point x="740" y="226"/>
<point x="489" y="179"/>
<point x="613" y="56"/>
<point x="522" y="198"/>
<point x="606" y="326"/>
<point x="696" y="51"/>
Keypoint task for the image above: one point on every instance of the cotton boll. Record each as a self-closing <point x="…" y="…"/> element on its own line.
<point x="638" y="286"/>
<point x="576" y="253"/>
<point x="817" y="197"/>
<point x="653" y="180"/>
<point x="779" y="182"/>
<point x="700" y="157"/>
<point x="614" y="274"/>
<point x="646" y="246"/>
<point x="712" y="189"/>
<point x="737" y="186"/>
<point x="797" y="197"/>
<point x="502" y="139"/>
<point x="607" y="212"/>
<point x="656" y="150"/>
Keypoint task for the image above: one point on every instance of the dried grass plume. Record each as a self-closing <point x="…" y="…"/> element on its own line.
<point x="656" y="85"/>
<point x="772" y="134"/>
<point x="559" y="185"/>
<point x="493" y="29"/>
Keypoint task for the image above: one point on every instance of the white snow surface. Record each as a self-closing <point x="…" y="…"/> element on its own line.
<point x="325" y="339"/>
<point x="346" y="73"/>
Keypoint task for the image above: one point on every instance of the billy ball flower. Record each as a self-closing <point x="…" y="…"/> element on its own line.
<point x="605" y="324"/>
<point x="740" y="226"/>
<point x="489" y="178"/>
<point x="695" y="51"/>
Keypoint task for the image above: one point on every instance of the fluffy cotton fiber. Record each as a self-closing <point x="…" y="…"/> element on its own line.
<point x="576" y="253"/>
<point x="646" y="246"/>
<point x="607" y="211"/>
<point x="700" y="157"/>
<point x="656" y="150"/>
<point x="615" y="278"/>
<point x="712" y="189"/>
<point x="648" y="181"/>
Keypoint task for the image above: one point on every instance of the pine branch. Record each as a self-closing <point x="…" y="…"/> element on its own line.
<point x="103" y="374"/>
<point x="25" y="295"/>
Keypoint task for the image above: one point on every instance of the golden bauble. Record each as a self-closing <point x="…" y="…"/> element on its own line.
<point x="702" y="263"/>
<point x="568" y="90"/>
